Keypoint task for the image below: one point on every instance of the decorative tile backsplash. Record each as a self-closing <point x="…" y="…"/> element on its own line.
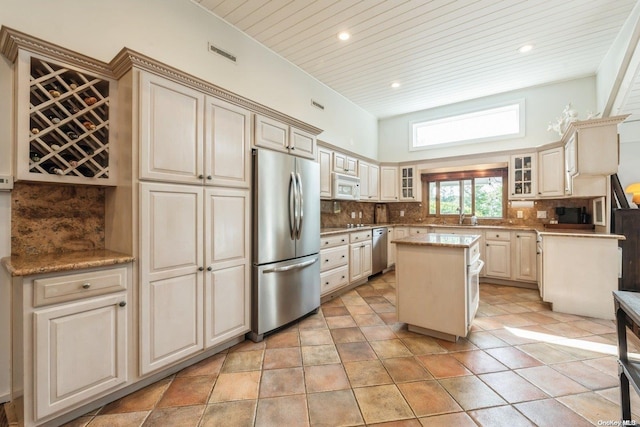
<point x="49" y="218"/>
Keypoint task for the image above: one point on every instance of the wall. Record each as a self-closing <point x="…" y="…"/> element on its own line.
<point x="628" y="171"/>
<point x="177" y="33"/>
<point x="543" y="104"/>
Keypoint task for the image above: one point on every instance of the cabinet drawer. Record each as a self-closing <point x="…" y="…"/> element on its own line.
<point x="360" y="236"/>
<point x="333" y="240"/>
<point x="72" y="287"/>
<point x="418" y="230"/>
<point x="497" y="235"/>
<point x="334" y="279"/>
<point x="334" y="257"/>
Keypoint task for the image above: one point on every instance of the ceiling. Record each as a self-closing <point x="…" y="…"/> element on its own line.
<point x="440" y="51"/>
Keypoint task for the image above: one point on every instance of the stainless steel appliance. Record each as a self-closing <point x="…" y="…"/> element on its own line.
<point x="286" y="240"/>
<point x="379" y="250"/>
<point x="346" y="187"/>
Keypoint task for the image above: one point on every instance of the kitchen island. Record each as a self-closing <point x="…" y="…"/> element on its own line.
<point x="437" y="283"/>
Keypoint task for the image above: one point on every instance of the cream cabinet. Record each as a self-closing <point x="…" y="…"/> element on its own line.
<point x="525" y="256"/>
<point x="388" y="183"/>
<point x="71" y="339"/>
<point x="391" y="248"/>
<point x="345" y="164"/>
<point x="369" y="181"/>
<point x="360" y="266"/>
<point x="63" y="115"/>
<point x="498" y="254"/>
<point x="324" y="160"/>
<point x="190" y="138"/>
<point x="551" y="172"/>
<point x="409" y="184"/>
<point x="185" y="231"/>
<point x="418" y="230"/>
<point x="273" y="134"/>
<point x="334" y="262"/>
<point x="522" y="179"/>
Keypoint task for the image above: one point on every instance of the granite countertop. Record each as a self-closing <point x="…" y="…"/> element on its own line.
<point x="439" y="239"/>
<point x="581" y="233"/>
<point x="337" y="230"/>
<point x="67" y="261"/>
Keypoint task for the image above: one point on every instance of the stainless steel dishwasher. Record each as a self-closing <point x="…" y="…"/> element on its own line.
<point x="379" y="250"/>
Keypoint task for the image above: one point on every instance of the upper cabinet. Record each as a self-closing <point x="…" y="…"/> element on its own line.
<point x="273" y="134"/>
<point x="324" y="160"/>
<point x="522" y="180"/>
<point x="550" y="172"/>
<point x="369" y="181"/>
<point x="345" y="164"/>
<point x="189" y="137"/>
<point x="63" y="116"/>
<point x="388" y="183"/>
<point x="409" y="184"/>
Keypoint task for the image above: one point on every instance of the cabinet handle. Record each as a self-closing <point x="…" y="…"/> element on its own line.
<point x="209" y="177"/>
<point x="200" y="176"/>
<point x="200" y="268"/>
<point x="326" y="243"/>
<point x="326" y="283"/>
<point x="518" y="236"/>
<point x="343" y="277"/>
<point x="86" y="286"/>
<point x="342" y="256"/>
<point x="487" y="244"/>
<point x="326" y="260"/>
<point x="343" y="240"/>
<point x="209" y="268"/>
<point x="292" y="148"/>
<point x="122" y="303"/>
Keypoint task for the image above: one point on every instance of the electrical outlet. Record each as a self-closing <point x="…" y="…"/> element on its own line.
<point x="520" y="214"/>
<point x="401" y="213"/>
<point x="541" y="214"/>
<point x="353" y="215"/>
<point x="6" y="182"/>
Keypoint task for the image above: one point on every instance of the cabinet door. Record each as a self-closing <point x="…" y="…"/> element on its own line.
<point x="374" y="183"/>
<point x="227" y="257"/>
<point x="171" y="131"/>
<point x="367" y="266"/>
<point x="344" y="164"/>
<point x="525" y="254"/>
<point x="355" y="262"/>
<point x="271" y="134"/>
<point x="388" y="183"/>
<point x="391" y="248"/>
<point x="498" y="262"/>
<point x="227" y="144"/>
<point x="410" y="184"/>
<point x="324" y="159"/>
<point x="80" y="352"/>
<point x="551" y="172"/>
<point x="171" y="281"/>
<point x="363" y="173"/>
<point x="302" y="143"/>
<point x="522" y="180"/>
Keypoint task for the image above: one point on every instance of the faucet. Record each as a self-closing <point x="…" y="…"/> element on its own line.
<point x="461" y="217"/>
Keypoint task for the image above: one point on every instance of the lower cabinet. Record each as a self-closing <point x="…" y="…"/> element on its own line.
<point x="498" y="254"/>
<point x="391" y="248"/>
<point x="525" y="256"/>
<point x="334" y="259"/>
<point x="360" y="255"/>
<point x="194" y="270"/>
<point x="71" y="339"/>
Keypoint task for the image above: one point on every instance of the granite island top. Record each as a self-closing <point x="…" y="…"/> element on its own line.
<point x="439" y="239"/>
<point x="66" y="261"/>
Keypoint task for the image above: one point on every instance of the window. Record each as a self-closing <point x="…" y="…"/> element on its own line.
<point x="505" y="121"/>
<point x="482" y="193"/>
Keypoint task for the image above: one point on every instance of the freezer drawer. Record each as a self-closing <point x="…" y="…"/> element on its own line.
<point x="284" y="292"/>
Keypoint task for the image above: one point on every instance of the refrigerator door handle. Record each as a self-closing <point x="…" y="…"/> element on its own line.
<point x="292" y="205"/>
<point x="300" y="207"/>
<point x="291" y="267"/>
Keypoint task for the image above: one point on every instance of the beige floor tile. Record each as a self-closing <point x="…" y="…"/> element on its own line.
<point x="390" y="348"/>
<point x="479" y="362"/>
<point x="550" y="412"/>
<point x="248" y="345"/>
<point x="209" y="366"/>
<point x="287" y="357"/>
<point x="344" y="335"/>
<point x="340" y="322"/>
<point x="236" y="386"/>
<point x="240" y="413"/>
<point x="315" y="321"/>
<point x="513" y="358"/>
<point x="127" y="419"/>
<point x="144" y="399"/>
<point x="545" y="353"/>
<point x="462" y="344"/>
<point x="282" y="382"/>
<point x="419" y="345"/>
<point x="368" y="320"/>
<point x="334" y="409"/>
<point x="458" y="419"/>
<point x="428" y="398"/>
<point x="319" y="355"/>
<point x="500" y="416"/>
<point x="512" y="387"/>
<point x="325" y="378"/>
<point x="283" y="411"/>
<point x="471" y="393"/>
<point x="334" y="311"/>
<point x="367" y="373"/>
<point x="378" y="333"/>
<point x="283" y="339"/>
<point x="184" y="416"/>
<point x="353" y="351"/>
<point x="443" y="365"/>
<point x="401" y="423"/>
<point x="586" y="375"/>
<point x="360" y="309"/>
<point x="484" y="340"/>
<point x="404" y="369"/>
<point x="315" y="337"/>
<point x="243" y="361"/>
<point x="187" y="391"/>
<point x="607" y="365"/>
<point x="394" y="408"/>
<point x="592" y="406"/>
<point x="550" y="381"/>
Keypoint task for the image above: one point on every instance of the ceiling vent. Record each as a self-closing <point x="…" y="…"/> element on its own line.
<point x="317" y="104"/>
<point x="224" y="53"/>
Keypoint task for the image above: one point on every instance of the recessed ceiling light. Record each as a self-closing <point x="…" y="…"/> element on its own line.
<point x="526" y="48"/>
<point x="344" y="35"/>
<point x="395" y="85"/>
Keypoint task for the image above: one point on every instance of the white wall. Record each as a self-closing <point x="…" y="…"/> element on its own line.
<point x="628" y="171"/>
<point x="176" y="32"/>
<point x="543" y="104"/>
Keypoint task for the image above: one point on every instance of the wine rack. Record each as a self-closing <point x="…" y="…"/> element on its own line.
<point x="68" y="124"/>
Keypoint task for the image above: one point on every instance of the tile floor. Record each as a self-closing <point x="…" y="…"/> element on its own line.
<point x="352" y="364"/>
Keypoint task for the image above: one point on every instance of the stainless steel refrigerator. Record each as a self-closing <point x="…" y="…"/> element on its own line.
<point x="286" y="240"/>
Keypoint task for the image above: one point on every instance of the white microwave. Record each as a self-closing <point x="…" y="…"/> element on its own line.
<point x="346" y="187"/>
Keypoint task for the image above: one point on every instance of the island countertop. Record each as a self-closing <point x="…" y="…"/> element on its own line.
<point x="439" y="239"/>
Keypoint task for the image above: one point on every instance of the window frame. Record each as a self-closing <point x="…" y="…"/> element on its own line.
<point x="451" y="117"/>
<point x="460" y="176"/>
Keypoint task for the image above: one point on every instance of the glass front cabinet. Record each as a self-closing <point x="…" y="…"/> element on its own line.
<point x="522" y="180"/>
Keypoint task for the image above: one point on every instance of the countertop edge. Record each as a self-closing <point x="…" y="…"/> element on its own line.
<point x="54" y="263"/>
<point x="422" y="240"/>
